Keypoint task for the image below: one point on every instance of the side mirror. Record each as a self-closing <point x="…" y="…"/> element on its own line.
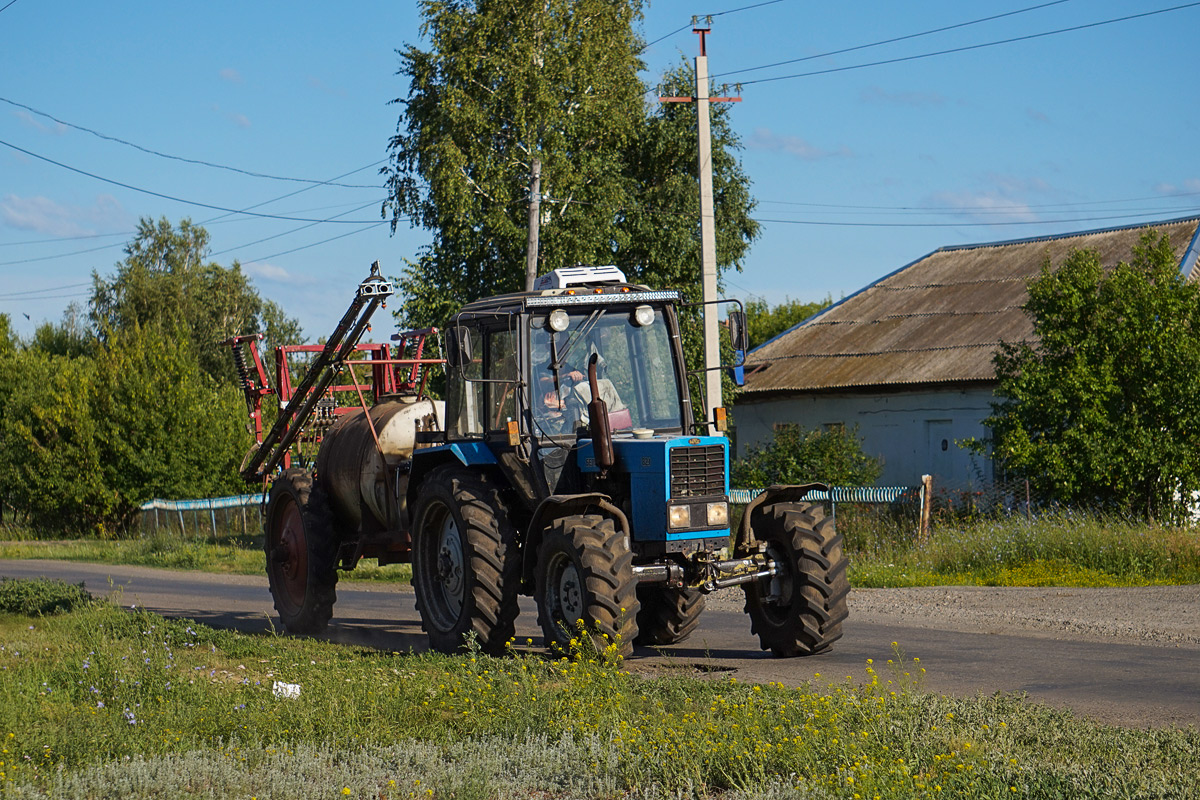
<point x="737" y="330"/>
<point x="458" y="346"/>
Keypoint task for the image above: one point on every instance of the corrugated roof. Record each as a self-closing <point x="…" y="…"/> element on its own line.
<point x="940" y="318"/>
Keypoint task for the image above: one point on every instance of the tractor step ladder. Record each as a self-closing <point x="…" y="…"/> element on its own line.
<point x="322" y="373"/>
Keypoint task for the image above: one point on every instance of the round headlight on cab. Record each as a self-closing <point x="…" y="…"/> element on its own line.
<point x="643" y="316"/>
<point x="559" y="320"/>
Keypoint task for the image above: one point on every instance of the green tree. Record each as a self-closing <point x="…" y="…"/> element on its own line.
<point x="166" y="428"/>
<point x="505" y="87"/>
<point x="1101" y="407"/>
<point x="505" y="83"/>
<point x="765" y="322"/>
<point x="50" y="452"/>
<point x="799" y="455"/>
<point x="164" y="282"/>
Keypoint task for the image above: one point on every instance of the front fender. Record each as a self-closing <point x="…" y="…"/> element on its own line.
<point x="563" y="505"/>
<point x="772" y="494"/>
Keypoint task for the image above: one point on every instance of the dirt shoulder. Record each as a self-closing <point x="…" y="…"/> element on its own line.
<point x="1165" y="615"/>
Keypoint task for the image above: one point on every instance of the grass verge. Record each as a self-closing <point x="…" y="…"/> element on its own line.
<point x="234" y="555"/>
<point x="96" y="701"/>
<point x="1063" y="549"/>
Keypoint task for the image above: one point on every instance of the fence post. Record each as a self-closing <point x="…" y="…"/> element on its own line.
<point x="926" y="502"/>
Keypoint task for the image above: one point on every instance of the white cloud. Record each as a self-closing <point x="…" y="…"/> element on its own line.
<point x="272" y="273"/>
<point x="321" y="86"/>
<point x="231" y="75"/>
<point x="1189" y="186"/>
<point x="43" y="215"/>
<point x="58" y="129"/>
<point x="878" y="96"/>
<point x="766" y="139"/>
<point x="986" y="206"/>
<point x="241" y="120"/>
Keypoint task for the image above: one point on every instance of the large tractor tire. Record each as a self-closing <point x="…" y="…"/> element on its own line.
<point x="301" y="553"/>
<point x="800" y="610"/>
<point x="667" y="615"/>
<point x="466" y="561"/>
<point x="584" y="582"/>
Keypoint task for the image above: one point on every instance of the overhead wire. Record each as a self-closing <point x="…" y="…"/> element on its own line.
<point x="894" y="39"/>
<point x="196" y="161"/>
<point x="967" y="48"/>
<point x="177" y="199"/>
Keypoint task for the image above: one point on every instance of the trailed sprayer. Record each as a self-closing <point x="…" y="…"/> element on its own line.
<point x="566" y="462"/>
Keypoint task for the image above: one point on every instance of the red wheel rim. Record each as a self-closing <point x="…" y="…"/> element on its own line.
<point x="290" y="556"/>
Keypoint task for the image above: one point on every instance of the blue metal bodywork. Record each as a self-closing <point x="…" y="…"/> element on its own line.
<point x="648" y="464"/>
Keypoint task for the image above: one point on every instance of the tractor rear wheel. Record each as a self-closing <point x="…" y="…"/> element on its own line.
<point x="584" y="583"/>
<point x="301" y="553"/>
<point x="798" y="611"/>
<point x="466" y="562"/>
<point x="667" y="615"/>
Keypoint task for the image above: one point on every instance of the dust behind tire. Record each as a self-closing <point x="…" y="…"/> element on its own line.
<point x="584" y="580"/>
<point x="799" y="611"/>
<point x="466" y="567"/>
<point x="301" y="553"/>
<point x="667" y="616"/>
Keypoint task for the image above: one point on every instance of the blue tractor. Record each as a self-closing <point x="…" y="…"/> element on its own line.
<point x="566" y="462"/>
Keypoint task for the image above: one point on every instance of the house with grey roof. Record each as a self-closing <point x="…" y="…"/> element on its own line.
<point x="908" y="359"/>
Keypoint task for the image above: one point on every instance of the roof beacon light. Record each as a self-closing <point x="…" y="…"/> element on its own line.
<point x="563" y="277"/>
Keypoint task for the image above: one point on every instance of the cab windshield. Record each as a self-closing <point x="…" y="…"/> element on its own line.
<point x="636" y="374"/>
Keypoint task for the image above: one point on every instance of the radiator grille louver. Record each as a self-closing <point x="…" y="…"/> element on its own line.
<point x="698" y="471"/>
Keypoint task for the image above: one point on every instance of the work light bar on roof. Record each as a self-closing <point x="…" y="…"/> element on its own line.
<point x="607" y="298"/>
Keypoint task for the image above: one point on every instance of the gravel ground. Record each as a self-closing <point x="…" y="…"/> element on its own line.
<point x="1166" y="615"/>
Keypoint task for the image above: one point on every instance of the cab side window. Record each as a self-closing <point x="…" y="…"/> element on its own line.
<point x="502" y="379"/>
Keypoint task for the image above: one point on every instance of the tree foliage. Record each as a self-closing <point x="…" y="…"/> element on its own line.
<point x="764" y="322"/>
<point x="164" y="283"/>
<point x="1102" y="407"/>
<point x="799" y="455"/>
<point x="95" y="420"/>
<point x="504" y="82"/>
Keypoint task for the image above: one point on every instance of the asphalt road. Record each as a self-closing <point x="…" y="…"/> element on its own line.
<point x="1125" y="683"/>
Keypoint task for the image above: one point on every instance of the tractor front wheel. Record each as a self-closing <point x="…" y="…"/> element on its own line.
<point x="585" y="585"/>
<point x="667" y="616"/>
<point x="799" y="610"/>
<point x="301" y="553"/>
<point x="466" y="564"/>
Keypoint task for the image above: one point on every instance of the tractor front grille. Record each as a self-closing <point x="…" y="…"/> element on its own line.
<point x="698" y="471"/>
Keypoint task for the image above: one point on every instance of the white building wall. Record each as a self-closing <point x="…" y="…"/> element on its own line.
<point x="913" y="433"/>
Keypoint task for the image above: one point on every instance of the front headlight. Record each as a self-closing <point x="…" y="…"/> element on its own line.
<point x="718" y="514"/>
<point x="679" y="516"/>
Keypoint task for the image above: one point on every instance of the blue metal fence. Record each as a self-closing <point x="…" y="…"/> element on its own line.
<point x="211" y="505"/>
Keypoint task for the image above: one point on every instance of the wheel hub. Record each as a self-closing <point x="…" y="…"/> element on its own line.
<point x="450" y="567"/>
<point x="569" y="595"/>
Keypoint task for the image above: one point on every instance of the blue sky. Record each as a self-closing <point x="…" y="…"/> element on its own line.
<point x="857" y="171"/>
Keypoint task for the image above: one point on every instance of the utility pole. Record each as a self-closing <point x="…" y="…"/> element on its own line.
<point x="708" y="228"/>
<point x="535" y="219"/>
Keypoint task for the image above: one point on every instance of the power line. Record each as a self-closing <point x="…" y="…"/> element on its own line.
<point x="315" y="244"/>
<point x="9" y="3"/>
<point x="178" y="199"/>
<point x="285" y="233"/>
<point x="8" y="295"/>
<point x="160" y="154"/>
<point x="1014" y="207"/>
<point x="893" y="40"/>
<point x="716" y="14"/>
<point x="973" y="46"/>
<point x="962" y="224"/>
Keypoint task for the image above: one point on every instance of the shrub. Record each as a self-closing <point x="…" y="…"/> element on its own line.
<point x="41" y="596"/>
